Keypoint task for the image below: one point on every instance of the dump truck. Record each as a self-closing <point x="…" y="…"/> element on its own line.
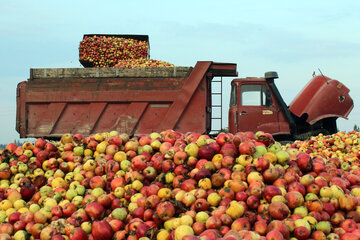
<point x="138" y="101"/>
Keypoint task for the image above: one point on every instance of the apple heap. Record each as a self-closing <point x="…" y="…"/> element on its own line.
<point x="171" y="185"/>
<point x="142" y="62"/>
<point x="113" y="51"/>
<point x="105" y="51"/>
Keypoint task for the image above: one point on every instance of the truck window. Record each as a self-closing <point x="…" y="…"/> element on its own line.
<point x="253" y="95"/>
<point x="233" y="96"/>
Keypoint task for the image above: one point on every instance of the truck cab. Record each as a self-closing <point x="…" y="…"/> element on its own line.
<point x="254" y="107"/>
<point x="257" y="105"/>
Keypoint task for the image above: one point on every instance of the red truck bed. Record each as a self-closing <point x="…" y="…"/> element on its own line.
<point x="135" y="101"/>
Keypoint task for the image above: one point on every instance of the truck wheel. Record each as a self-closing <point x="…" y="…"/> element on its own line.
<point x="284" y="142"/>
<point x="318" y="131"/>
<point x="307" y="135"/>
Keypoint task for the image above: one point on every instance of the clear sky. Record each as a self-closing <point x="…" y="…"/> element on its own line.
<point x="293" y="38"/>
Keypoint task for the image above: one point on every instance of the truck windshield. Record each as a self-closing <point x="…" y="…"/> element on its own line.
<point x="233" y="96"/>
<point x="253" y="95"/>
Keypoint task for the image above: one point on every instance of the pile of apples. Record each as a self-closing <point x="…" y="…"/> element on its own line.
<point x="189" y="186"/>
<point x="142" y="62"/>
<point x="112" y="51"/>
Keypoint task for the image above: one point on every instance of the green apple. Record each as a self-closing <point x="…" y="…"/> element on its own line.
<point x="307" y="179"/>
<point x="192" y="150"/>
<point x="345" y="166"/>
<point x="28" y="153"/>
<point x="14" y="186"/>
<point x="202" y="216"/>
<point x="74" y="184"/>
<point x="49" y="173"/>
<point x="51" y="202"/>
<point x="18" y="177"/>
<point x="45" y="190"/>
<point x="201" y="141"/>
<point x="23" y="168"/>
<point x="324" y="226"/>
<point x="301" y="210"/>
<point x="293" y="151"/>
<point x="238" y="167"/>
<point x="70" y="194"/>
<point x="274" y="148"/>
<point x="89" y="165"/>
<point x="282" y="156"/>
<point x="77" y="200"/>
<point x="337" y="191"/>
<point x="333" y="236"/>
<point x="182" y="231"/>
<point x="57" y="196"/>
<point x="120" y="173"/>
<point x="154" y="135"/>
<point x="77" y="170"/>
<point x="4" y="165"/>
<point x="326" y="192"/>
<point x="69" y="177"/>
<point x="125" y="164"/>
<point x="38" y="171"/>
<point x="119" y="192"/>
<point x="86" y="226"/>
<point x="113" y="133"/>
<point x="311" y="196"/>
<point x="140" y="150"/>
<point x="256" y="155"/>
<point x="47" y="208"/>
<point x="78" y="151"/>
<point x="14" y="169"/>
<point x="78" y="177"/>
<point x="124" y="137"/>
<point x="80" y="189"/>
<point x="2" y="216"/>
<point x="97" y="192"/>
<point x="59" y="173"/>
<point x="119" y="213"/>
<point x="21" y="235"/>
<point x="261" y="149"/>
<point x="147" y="148"/>
<point x="155" y="144"/>
<point x="4" y="183"/>
<point x="34" y="208"/>
<point x="302" y="223"/>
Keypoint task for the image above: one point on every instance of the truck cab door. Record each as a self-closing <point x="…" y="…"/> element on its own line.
<point x="233" y="109"/>
<point x="257" y="110"/>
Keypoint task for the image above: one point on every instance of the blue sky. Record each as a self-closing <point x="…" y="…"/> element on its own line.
<point x="291" y="38"/>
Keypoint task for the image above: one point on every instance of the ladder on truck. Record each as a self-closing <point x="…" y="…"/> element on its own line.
<point x="217" y="105"/>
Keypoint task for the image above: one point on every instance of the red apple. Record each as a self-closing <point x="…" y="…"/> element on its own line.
<point x="274" y="235"/>
<point x="302" y="233"/>
<point x="78" y="233"/>
<point x="241" y="224"/>
<point x="95" y="210"/>
<point x="270" y="191"/>
<point x="165" y="210"/>
<point x="247" y="148"/>
<point x="206" y="152"/>
<point x="101" y="230"/>
<point x="198" y="227"/>
<point x="68" y="209"/>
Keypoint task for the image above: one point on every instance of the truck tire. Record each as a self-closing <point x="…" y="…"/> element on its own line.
<point x="318" y="131"/>
<point x="284" y="142"/>
<point x="307" y="135"/>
